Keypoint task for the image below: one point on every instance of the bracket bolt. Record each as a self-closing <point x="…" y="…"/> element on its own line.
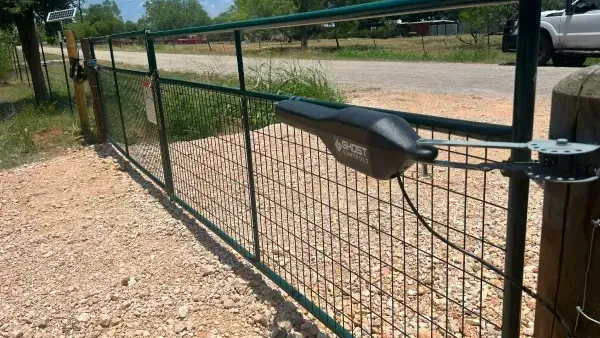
<point x="562" y="141"/>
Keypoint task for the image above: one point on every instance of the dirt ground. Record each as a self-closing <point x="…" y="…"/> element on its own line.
<point x="90" y="248"/>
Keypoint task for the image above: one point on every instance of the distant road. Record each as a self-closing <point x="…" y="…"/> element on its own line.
<point x="463" y="78"/>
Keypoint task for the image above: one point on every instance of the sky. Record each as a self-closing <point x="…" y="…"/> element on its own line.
<point x="133" y="9"/>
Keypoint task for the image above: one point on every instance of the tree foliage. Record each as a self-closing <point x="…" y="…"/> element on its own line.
<point x="172" y="14"/>
<point x="480" y="20"/>
<point x="23" y="14"/>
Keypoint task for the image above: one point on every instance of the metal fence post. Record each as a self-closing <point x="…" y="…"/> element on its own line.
<point x="62" y="53"/>
<point x="112" y="62"/>
<point x="162" y="129"/>
<point x="240" y="64"/>
<point x="518" y="193"/>
<point x="87" y="47"/>
<point x="46" y="68"/>
<point x="26" y="68"/>
<point x="18" y="64"/>
<point x="14" y="62"/>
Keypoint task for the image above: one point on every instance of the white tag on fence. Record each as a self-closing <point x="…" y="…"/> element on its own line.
<point x="149" y="100"/>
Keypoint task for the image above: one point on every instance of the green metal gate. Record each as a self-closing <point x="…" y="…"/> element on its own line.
<point x="343" y="245"/>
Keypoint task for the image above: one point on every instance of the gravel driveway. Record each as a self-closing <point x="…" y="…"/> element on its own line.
<point x="429" y="77"/>
<point x="89" y="248"/>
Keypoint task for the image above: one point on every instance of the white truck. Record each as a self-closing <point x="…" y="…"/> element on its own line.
<point x="567" y="36"/>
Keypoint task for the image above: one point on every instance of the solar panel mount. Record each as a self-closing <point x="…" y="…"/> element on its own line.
<point x="62" y="15"/>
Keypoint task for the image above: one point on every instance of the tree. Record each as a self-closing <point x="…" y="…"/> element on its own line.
<point x="130" y="26"/>
<point x="478" y="20"/>
<point x="23" y="14"/>
<point x="172" y="14"/>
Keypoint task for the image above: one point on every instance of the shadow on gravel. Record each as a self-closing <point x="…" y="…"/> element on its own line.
<point x="287" y="315"/>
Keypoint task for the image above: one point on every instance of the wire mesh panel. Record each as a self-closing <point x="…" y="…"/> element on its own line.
<point x="141" y="129"/>
<point x="350" y="244"/>
<point x="208" y="157"/>
<point x="110" y="105"/>
<point x="137" y="127"/>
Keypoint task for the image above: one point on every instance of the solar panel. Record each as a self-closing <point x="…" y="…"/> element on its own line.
<point x="62" y="15"/>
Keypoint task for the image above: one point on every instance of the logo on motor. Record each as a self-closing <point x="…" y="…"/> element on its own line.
<point x="351" y="149"/>
<point x="338" y="145"/>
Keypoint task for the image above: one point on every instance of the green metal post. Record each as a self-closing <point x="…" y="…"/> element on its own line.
<point x="46" y="68"/>
<point x="14" y="62"/>
<point x="240" y="64"/>
<point x="112" y="62"/>
<point x="26" y="69"/>
<point x="164" y="145"/>
<point x="18" y="64"/>
<point x="518" y="191"/>
<point x="62" y="53"/>
<point x="100" y="98"/>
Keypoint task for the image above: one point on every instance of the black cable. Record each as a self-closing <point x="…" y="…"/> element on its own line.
<point x="482" y="261"/>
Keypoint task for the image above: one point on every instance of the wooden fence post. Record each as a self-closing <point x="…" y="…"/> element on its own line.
<point x="568" y="211"/>
<point x="78" y="87"/>
<point x="92" y="80"/>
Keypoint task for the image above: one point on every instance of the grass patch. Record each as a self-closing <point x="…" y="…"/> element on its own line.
<point x="34" y="133"/>
<point x="29" y="132"/>
<point x="430" y="49"/>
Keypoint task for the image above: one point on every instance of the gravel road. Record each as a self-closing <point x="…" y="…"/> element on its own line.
<point x="89" y="248"/>
<point x="438" y="78"/>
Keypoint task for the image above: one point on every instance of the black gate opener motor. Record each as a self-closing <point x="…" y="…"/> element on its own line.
<point x="383" y="145"/>
<point x="77" y="71"/>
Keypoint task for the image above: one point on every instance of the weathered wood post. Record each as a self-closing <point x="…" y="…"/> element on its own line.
<point x="78" y="87"/>
<point x="567" y="217"/>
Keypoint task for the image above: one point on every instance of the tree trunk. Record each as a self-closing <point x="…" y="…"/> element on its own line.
<point x="303" y="7"/>
<point x="31" y="51"/>
<point x="304" y="37"/>
<point x="337" y="42"/>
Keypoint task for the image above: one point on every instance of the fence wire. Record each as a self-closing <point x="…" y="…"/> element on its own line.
<point x="346" y="242"/>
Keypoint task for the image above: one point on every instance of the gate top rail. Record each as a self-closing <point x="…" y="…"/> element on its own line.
<point x="355" y="12"/>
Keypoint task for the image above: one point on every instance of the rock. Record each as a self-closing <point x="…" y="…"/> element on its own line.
<point x="295" y="335"/>
<point x="260" y="319"/>
<point x="285" y="325"/>
<point x="310" y="328"/>
<point x="127" y="281"/>
<point x="114" y="321"/>
<point x="321" y="335"/>
<point x="42" y="322"/>
<point x="229" y="304"/>
<point x="183" y="311"/>
<point x="17" y="333"/>
<point x="83" y="317"/>
<point x="180" y="327"/>
<point x="104" y="321"/>
<point x="126" y="304"/>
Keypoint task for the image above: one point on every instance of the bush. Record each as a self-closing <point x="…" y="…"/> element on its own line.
<point x="197" y="113"/>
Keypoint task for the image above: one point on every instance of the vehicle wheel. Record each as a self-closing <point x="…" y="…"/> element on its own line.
<point x="546" y="50"/>
<point x="568" y="61"/>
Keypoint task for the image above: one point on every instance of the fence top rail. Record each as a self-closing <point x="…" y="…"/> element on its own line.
<point x="355" y="12"/>
<point x="119" y="35"/>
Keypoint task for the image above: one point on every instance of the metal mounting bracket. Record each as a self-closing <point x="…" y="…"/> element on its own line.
<point x="534" y="170"/>
<point x="550" y="147"/>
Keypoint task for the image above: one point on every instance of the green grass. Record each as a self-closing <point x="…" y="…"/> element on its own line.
<point x="193" y="113"/>
<point x="29" y="132"/>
